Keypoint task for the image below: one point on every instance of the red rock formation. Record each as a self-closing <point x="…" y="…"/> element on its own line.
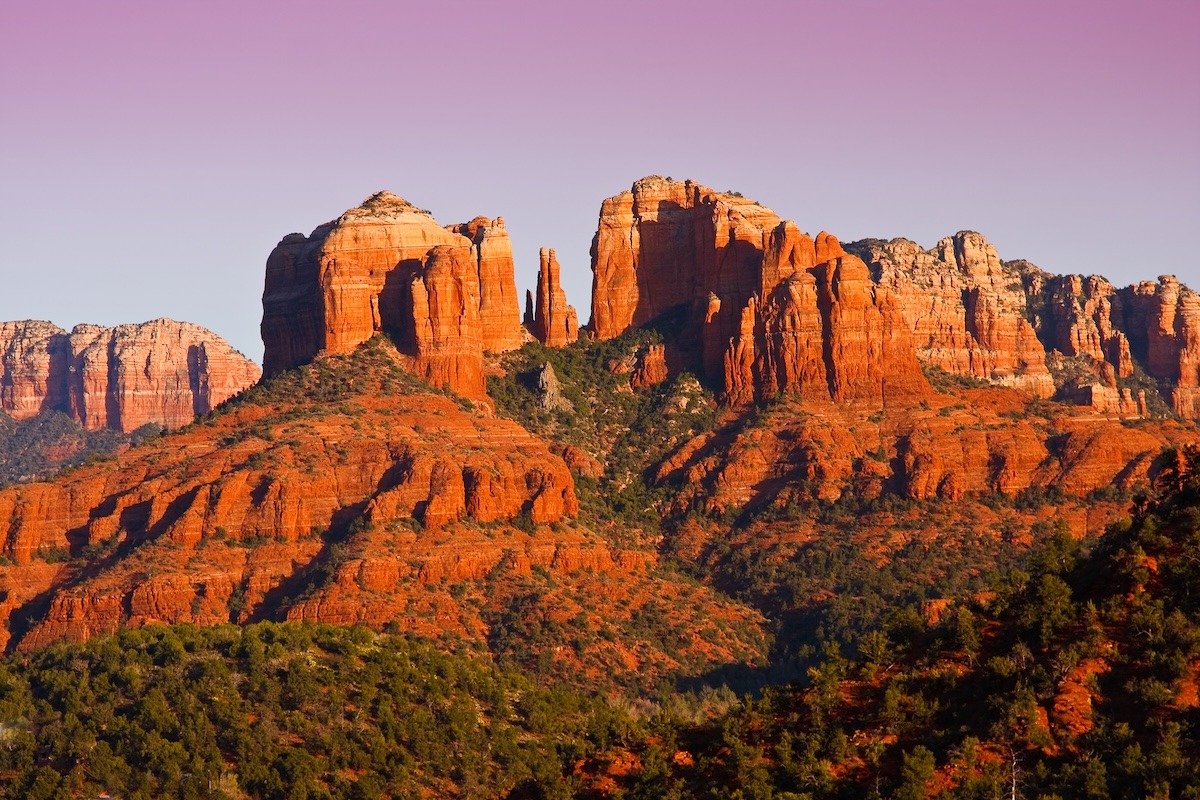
<point x="824" y="331"/>
<point x="499" y="312"/>
<point x="555" y="323"/>
<point x="773" y="310"/>
<point x="966" y="309"/>
<point x="667" y="243"/>
<point x="1111" y="400"/>
<point x="32" y="368"/>
<point x="445" y="325"/>
<point x="977" y="444"/>
<point x="1163" y="324"/>
<point x="1084" y="317"/>
<point x="184" y="503"/>
<point x="161" y="371"/>
<point x="650" y="368"/>
<point x="354" y="277"/>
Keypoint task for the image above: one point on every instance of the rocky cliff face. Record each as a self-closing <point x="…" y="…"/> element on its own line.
<point x="371" y="270"/>
<point x="772" y="309"/>
<point x="498" y="307"/>
<point x="982" y="442"/>
<point x="1013" y="324"/>
<point x="162" y="371"/>
<point x="554" y="322"/>
<point x="966" y="309"/>
<point x="1163" y="324"/>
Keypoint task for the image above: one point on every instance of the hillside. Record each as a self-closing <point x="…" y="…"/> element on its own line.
<point x="1076" y="679"/>
<point x="349" y="492"/>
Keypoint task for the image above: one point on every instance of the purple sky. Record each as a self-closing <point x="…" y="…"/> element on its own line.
<point x="155" y="152"/>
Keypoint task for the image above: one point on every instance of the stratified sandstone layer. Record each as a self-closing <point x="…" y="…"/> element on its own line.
<point x="370" y="271"/>
<point x="980" y="442"/>
<point x="772" y="310"/>
<point x="499" y="314"/>
<point x="161" y="371"/>
<point x="220" y="511"/>
<point x="966" y="309"/>
<point x="555" y="323"/>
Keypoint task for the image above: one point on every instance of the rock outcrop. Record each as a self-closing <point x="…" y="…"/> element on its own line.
<point x="554" y="323"/>
<point x="161" y="371"/>
<point x="772" y="309"/>
<point x="650" y="367"/>
<point x="965" y="308"/>
<point x="499" y="312"/>
<point x="446" y="333"/>
<point x="372" y="270"/>
<point x="1163" y="324"/>
<point x="1013" y="324"/>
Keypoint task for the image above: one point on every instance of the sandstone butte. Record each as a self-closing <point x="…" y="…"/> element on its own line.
<point x="161" y="371"/>
<point x="769" y="309"/>
<point x="445" y="294"/>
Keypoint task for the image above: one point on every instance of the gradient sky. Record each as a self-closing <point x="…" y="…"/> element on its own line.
<point x="155" y="152"/>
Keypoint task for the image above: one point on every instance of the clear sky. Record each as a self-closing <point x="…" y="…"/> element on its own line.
<point x="154" y="152"/>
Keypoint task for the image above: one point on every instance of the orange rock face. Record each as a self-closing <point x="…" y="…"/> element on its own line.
<point x="162" y="371"/>
<point x="33" y="372"/>
<point x="555" y="323"/>
<point x="772" y="309"/>
<point x="666" y="244"/>
<point x="365" y="272"/>
<point x="498" y="307"/>
<point x="447" y="335"/>
<point x="1085" y="317"/>
<point x="981" y="443"/>
<point x="650" y="368"/>
<point x="1163" y="324"/>
<point x="966" y="309"/>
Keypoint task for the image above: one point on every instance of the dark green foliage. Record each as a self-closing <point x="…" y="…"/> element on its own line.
<point x="628" y="432"/>
<point x="833" y="590"/>
<point x="960" y="710"/>
<point x="30" y="450"/>
<point x="284" y="710"/>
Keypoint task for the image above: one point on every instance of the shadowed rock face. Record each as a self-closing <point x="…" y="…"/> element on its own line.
<point x="369" y="270"/>
<point x="162" y="371"/>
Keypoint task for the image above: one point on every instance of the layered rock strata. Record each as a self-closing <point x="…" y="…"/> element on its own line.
<point x="195" y="519"/>
<point x="555" y="323"/>
<point x="974" y="315"/>
<point x="966" y="309"/>
<point x="772" y="309"/>
<point x="945" y="449"/>
<point x="162" y="372"/>
<point x="374" y="270"/>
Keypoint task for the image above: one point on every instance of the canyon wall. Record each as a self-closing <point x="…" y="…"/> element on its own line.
<point x="161" y="371"/>
<point x="1075" y="337"/>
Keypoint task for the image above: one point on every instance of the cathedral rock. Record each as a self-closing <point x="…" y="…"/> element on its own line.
<point x="444" y="294"/>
